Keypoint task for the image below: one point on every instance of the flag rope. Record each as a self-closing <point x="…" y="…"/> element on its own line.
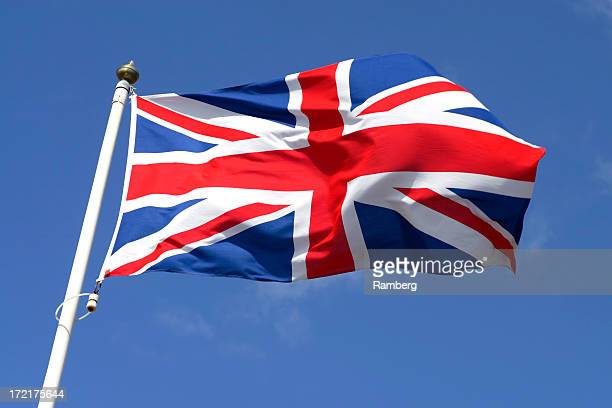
<point x="69" y="299"/>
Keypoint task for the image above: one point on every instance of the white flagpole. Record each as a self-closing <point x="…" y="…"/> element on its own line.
<point x="127" y="75"/>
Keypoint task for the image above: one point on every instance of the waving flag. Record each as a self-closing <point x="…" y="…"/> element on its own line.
<point x="298" y="177"/>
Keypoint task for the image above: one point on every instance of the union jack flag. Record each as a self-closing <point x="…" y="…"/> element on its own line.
<point x="297" y="178"/>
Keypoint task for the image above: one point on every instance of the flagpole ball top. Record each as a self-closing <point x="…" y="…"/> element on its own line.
<point x="128" y="72"/>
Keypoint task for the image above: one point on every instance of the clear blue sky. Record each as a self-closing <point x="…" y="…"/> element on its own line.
<point x="545" y="68"/>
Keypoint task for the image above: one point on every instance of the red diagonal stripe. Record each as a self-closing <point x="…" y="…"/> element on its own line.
<point x="191" y="124"/>
<point x="410" y="94"/>
<point x="464" y="215"/>
<point x="206" y="230"/>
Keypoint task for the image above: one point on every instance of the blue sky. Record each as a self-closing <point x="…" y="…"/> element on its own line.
<point x="158" y="340"/>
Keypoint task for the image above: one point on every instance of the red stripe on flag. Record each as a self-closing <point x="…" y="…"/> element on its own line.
<point x="416" y="147"/>
<point x="206" y="230"/>
<point x="329" y="252"/>
<point x="191" y="124"/>
<point x="410" y="94"/>
<point x="464" y="215"/>
<point x="320" y="104"/>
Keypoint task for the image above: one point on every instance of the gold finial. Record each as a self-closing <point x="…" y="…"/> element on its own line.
<point x="128" y="72"/>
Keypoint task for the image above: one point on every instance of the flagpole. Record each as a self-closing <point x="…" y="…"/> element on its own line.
<point x="128" y="75"/>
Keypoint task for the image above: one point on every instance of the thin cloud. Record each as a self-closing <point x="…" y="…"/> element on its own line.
<point x="293" y="328"/>
<point x="185" y="323"/>
<point x="285" y="305"/>
<point x="594" y="8"/>
<point x="243" y="350"/>
<point x="601" y="7"/>
<point x="538" y="235"/>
